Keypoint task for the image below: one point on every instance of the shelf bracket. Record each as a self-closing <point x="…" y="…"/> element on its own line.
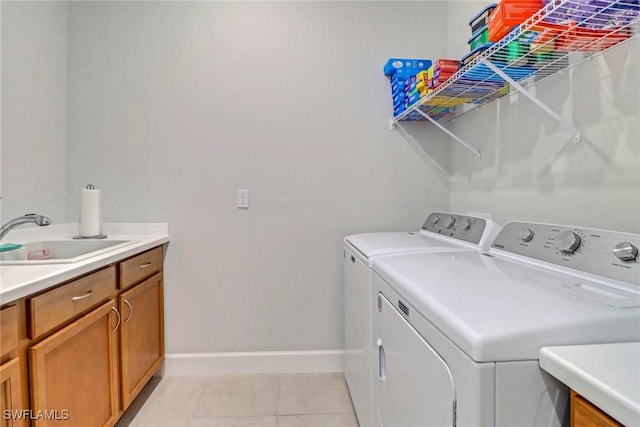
<point x="448" y="132"/>
<point x="534" y="99"/>
<point x="418" y="148"/>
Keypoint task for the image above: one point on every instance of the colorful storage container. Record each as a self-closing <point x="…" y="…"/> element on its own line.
<point x="481" y="18"/>
<point x="483" y="73"/>
<point x="595" y="14"/>
<point x="480" y="37"/>
<point x="445" y="66"/>
<point x="508" y="14"/>
<point x="473" y="54"/>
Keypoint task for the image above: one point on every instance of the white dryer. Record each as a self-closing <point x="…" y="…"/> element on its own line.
<point x="458" y="334"/>
<point x="440" y="232"/>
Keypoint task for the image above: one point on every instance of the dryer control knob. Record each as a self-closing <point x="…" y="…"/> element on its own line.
<point x="435" y="220"/>
<point x="526" y="234"/>
<point x="467" y="226"/>
<point x="568" y="241"/>
<point x="626" y="251"/>
<point x="449" y="222"/>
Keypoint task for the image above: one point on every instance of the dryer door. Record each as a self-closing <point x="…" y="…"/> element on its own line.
<point x="414" y="386"/>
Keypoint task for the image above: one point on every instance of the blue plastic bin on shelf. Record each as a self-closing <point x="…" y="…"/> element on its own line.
<point x="481" y="18"/>
<point x="483" y="73"/>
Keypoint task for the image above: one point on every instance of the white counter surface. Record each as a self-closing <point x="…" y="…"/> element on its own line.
<point x="17" y="281"/>
<point x="607" y="375"/>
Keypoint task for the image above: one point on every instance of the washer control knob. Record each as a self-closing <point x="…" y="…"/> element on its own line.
<point x="568" y="241"/>
<point x="625" y="251"/>
<point x="449" y="222"/>
<point x="526" y="234"/>
<point x="467" y="226"/>
<point x="435" y="220"/>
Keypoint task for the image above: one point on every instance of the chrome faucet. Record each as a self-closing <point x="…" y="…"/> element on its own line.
<point x="24" y="219"/>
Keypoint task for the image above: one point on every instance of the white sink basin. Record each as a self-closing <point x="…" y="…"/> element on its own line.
<point x="60" y="251"/>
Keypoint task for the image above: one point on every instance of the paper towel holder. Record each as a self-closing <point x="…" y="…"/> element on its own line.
<point x="98" y="236"/>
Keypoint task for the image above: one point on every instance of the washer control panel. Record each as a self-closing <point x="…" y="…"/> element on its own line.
<point x="610" y="254"/>
<point x="462" y="227"/>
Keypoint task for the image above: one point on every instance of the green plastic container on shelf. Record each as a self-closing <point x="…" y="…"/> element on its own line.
<point x="480" y="37"/>
<point x="516" y="52"/>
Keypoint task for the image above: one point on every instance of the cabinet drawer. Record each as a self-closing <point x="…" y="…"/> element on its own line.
<point x="140" y="267"/>
<point x="50" y="309"/>
<point x="8" y="329"/>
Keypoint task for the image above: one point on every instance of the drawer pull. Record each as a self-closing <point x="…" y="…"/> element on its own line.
<point x="130" y="311"/>
<point x="115" y="310"/>
<point x="145" y="265"/>
<point x="79" y="297"/>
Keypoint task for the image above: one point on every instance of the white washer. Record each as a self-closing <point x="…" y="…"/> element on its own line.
<point x="440" y="232"/>
<point x="458" y="333"/>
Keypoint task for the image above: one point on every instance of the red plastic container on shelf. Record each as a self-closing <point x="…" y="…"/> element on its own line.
<point x="595" y="40"/>
<point x="446" y="66"/>
<point x="508" y="14"/>
<point x="568" y="37"/>
<point x="560" y="36"/>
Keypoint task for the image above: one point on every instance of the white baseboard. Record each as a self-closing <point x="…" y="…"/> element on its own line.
<point x="268" y="362"/>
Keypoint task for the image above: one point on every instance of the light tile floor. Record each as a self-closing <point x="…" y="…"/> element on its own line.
<point x="287" y="400"/>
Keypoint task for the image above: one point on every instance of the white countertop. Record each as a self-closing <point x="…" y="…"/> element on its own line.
<point x="607" y="375"/>
<point x="17" y="281"/>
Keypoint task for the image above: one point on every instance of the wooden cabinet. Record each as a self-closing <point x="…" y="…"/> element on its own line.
<point x="139" y="267"/>
<point x="58" y="305"/>
<point x="585" y="414"/>
<point x="11" y="378"/>
<point x="141" y="334"/>
<point x="80" y="352"/>
<point x="11" y="394"/>
<point x="74" y="375"/>
<point x="8" y="331"/>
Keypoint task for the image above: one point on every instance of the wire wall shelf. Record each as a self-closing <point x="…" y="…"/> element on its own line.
<point x="559" y="36"/>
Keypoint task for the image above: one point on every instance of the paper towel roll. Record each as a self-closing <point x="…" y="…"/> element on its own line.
<point x="90" y="212"/>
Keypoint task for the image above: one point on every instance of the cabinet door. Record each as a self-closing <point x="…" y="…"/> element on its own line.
<point x="142" y="335"/>
<point x="74" y="378"/>
<point x="11" y="395"/>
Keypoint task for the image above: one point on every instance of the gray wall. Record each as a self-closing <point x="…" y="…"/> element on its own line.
<point x="34" y="61"/>
<point x="531" y="170"/>
<point x="172" y="107"/>
<point x="175" y="106"/>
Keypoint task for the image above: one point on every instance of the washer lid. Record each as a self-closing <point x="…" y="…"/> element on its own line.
<point x="374" y="244"/>
<point x="496" y="309"/>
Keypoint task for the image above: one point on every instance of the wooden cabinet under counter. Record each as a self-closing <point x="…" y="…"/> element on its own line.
<point x="140" y="267"/>
<point x="585" y="414"/>
<point x="11" y="393"/>
<point x="12" y="379"/>
<point x="74" y="373"/>
<point x="52" y="308"/>
<point x="8" y="330"/>
<point x="80" y="351"/>
<point x="141" y="335"/>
